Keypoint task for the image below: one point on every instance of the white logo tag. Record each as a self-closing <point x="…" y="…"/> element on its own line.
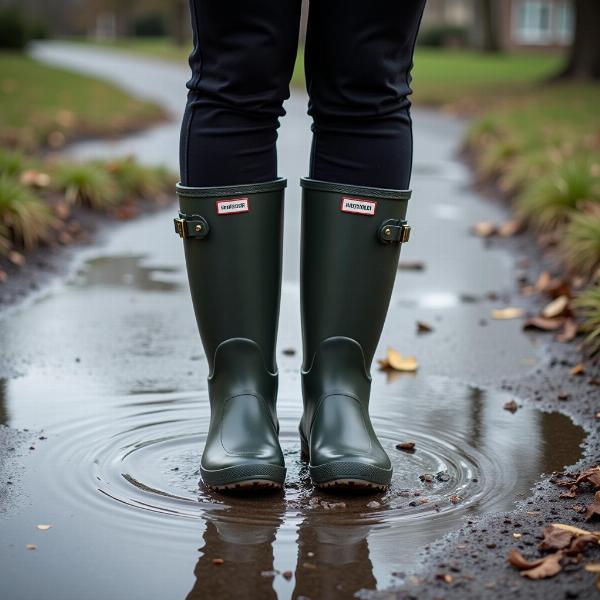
<point x="232" y="206"/>
<point x="358" y="206"/>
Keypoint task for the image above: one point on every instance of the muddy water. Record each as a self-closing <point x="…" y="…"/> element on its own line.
<point x="118" y="394"/>
<point x="107" y="374"/>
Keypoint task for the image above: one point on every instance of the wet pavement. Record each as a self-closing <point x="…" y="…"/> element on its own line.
<point x="106" y="374"/>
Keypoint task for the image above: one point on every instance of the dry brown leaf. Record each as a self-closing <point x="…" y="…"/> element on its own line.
<point x="406" y="446"/>
<point x="591" y="475"/>
<point x="484" y="229"/>
<point x="543" y="324"/>
<point x="578" y="369"/>
<point x="517" y="560"/>
<point x="444" y="577"/>
<point x="556" y="308"/>
<point x="16" y="258"/>
<point x="31" y="547"/>
<point x="511" y="406"/>
<point x="576" y="530"/>
<point x="543" y="281"/>
<point x="592" y="511"/>
<point x="423" y="327"/>
<point x="568" y="333"/>
<point x="556" y="538"/>
<point x="35" y="178"/>
<point x="411" y="265"/>
<point x="592" y="567"/>
<point x="580" y="542"/>
<point x="43" y="527"/>
<point x="510" y="312"/>
<point x="398" y="362"/>
<point x="549" y="567"/>
<point x="510" y="228"/>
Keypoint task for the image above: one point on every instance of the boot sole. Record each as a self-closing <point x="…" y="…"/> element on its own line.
<point x="257" y="476"/>
<point x="347" y="475"/>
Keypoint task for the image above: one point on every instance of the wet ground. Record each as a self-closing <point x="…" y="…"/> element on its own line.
<point x="104" y="397"/>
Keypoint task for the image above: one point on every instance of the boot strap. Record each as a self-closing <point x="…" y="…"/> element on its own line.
<point x="191" y="227"/>
<point x="394" y="231"/>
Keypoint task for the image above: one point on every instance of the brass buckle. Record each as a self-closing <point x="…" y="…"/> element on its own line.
<point x="405" y="233"/>
<point x="180" y="227"/>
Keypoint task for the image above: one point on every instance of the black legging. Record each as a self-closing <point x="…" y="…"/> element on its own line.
<point x="358" y="60"/>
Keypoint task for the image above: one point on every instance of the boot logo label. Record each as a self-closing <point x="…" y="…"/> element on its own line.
<point x="232" y="206"/>
<point x="358" y="206"/>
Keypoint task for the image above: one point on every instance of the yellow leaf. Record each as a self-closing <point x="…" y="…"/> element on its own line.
<point x="398" y="362"/>
<point x="510" y="312"/>
<point x="556" y="308"/>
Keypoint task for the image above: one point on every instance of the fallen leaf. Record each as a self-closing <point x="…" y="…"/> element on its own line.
<point x="423" y="327"/>
<point x="543" y="281"/>
<point x="590" y="475"/>
<point x="484" y="229"/>
<point x="556" y="308"/>
<point x="543" y="324"/>
<point x="579" y="544"/>
<point x="511" y="406"/>
<point x="406" y="446"/>
<point x="287" y="575"/>
<point x="411" y="265"/>
<point x="568" y="333"/>
<point x="426" y="478"/>
<point x="507" y="313"/>
<point x="31" y="547"/>
<point x="398" y="362"/>
<point x="43" y="527"/>
<point x="16" y="258"/>
<point x="556" y="538"/>
<point x="576" y="530"/>
<point x="454" y="499"/>
<point x="510" y="228"/>
<point x="35" y="178"/>
<point x="549" y="567"/>
<point x="517" y="560"/>
<point x="444" y="577"/>
<point x="578" y="369"/>
<point x="218" y="561"/>
<point x="592" y="511"/>
<point x="592" y="567"/>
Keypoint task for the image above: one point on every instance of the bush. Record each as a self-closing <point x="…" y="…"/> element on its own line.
<point x="14" y="32"/>
<point x="86" y="184"/>
<point x="549" y="202"/>
<point x="151" y="25"/>
<point x="588" y="306"/>
<point x="438" y="36"/>
<point x="24" y="218"/>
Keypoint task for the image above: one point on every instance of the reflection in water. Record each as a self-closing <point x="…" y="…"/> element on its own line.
<point x="333" y="557"/>
<point x="237" y="557"/>
<point x="126" y="271"/>
<point x="3" y="410"/>
<point x="130" y="463"/>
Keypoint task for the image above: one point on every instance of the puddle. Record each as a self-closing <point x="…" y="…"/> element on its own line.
<point x="126" y="468"/>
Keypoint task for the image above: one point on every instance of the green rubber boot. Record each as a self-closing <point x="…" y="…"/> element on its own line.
<point x="232" y="238"/>
<point x="351" y="239"/>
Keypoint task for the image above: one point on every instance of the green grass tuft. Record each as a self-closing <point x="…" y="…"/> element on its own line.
<point x="24" y="218"/>
<point x="549" y="202"/>
<point x="134" y="180"/>
<point x="588" y="307"/>
<point x="580" y="244"/>
<point x="11" y="163"/>
<point x="86" y="184"/>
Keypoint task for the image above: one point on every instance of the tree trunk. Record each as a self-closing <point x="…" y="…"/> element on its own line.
<point x="490" y="26"/>
<point x="584" y="58"/>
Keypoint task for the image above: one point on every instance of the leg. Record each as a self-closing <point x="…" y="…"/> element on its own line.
<point x="242" y="62"/>
<point x="231" y="222"/>
<point x="358" y="63"/>
<point x="353" y="222"/>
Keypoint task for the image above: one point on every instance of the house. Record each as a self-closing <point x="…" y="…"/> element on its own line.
<point x="516" y="23"/>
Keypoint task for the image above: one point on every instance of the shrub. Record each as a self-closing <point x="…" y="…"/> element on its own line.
<point x="136" y="180"/>
<point x="548" y="202"/>
<point x="588" y="306"/>
<point x="580" y="244"/>
<point x="86" y="184"/>
<point x="14" y="32"/>
<point x="24" y="218"/>
<point x="150" y="25"/>
<point x="438" y="36"/>
<point x="11" y="163"/>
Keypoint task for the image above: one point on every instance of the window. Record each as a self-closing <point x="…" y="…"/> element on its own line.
<point x="543" y="22"/>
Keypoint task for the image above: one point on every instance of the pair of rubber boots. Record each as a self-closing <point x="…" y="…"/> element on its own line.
<point x="351" y="238"/>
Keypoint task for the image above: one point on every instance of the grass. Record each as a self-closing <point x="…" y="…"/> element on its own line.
<point x="588" y="305"/>
<point x="24" y="218"/>
<point x="46" y="106"/>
